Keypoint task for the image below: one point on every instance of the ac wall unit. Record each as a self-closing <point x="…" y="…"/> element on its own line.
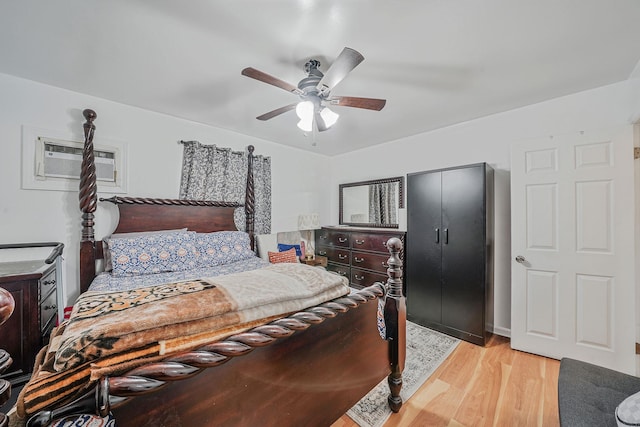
<point x="63" y="159"/>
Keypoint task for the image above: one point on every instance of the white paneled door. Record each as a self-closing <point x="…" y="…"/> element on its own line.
<point x="573" y="273"/>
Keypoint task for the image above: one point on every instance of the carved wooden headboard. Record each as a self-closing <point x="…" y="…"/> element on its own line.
<point x="144" y="214"/>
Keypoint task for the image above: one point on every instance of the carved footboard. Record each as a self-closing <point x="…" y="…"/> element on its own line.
<point x="7" y="305"/>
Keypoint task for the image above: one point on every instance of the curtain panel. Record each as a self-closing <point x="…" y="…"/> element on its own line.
<point x="213" y="173"/>
<point x="382" y="203"/>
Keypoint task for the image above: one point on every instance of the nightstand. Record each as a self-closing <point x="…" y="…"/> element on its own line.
<point x="319" y="261"/>
<point x="35" y="287"/>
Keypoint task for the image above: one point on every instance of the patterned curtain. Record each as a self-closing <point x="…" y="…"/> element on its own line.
<point x="213" y="173"/>
<point x="382" y="203"/>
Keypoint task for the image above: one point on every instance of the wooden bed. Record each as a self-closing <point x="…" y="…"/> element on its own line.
<point x="307" y="368"/>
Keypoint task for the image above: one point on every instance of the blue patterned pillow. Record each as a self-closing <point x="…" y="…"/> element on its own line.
<point x="223" y="247"/>
<point x="154" y="253"/>
<point x="283" y="248"/>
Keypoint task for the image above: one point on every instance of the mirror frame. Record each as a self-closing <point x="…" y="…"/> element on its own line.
<point x="398" y="179"/>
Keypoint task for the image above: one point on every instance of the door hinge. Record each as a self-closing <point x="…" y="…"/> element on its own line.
<point x="636" y="153"/>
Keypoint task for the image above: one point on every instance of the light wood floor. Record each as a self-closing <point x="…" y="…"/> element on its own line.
<point x="483" y="386"/>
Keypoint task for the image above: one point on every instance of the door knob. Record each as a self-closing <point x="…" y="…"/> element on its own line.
<point x="520" y="259"/>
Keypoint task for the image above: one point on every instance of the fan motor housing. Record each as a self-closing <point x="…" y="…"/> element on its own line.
<point x="309" y="84"/>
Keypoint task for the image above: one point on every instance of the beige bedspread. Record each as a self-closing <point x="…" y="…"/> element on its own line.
<point x="109" y="333"/>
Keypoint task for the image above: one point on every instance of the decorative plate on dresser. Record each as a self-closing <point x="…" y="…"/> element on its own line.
<point x="359" y="254"/>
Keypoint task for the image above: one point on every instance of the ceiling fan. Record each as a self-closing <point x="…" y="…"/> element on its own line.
<point x="315" y="92"/>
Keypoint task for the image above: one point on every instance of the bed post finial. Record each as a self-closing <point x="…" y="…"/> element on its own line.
<point x="88" y="200"/>
<point x="250" y="199"/>
<point x="395" y="318"/>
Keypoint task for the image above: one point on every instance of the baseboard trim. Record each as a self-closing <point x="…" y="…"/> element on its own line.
<point x="504" y="332"/>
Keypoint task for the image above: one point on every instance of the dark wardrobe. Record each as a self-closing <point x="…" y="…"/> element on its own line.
<point x="449" y="264"/>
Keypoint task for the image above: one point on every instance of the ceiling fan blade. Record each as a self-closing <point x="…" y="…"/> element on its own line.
<point x="344" y="63"/>
<point x="353" y="101"/>
<point x="269" y="79"/>
<point x="277" y="112"/>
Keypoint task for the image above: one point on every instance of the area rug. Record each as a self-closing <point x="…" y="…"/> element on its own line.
<point x="426" y="350"/>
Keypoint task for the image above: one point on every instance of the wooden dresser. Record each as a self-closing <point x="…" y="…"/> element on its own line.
<point x="357" y="253"/>
<point x="33" y="287"/>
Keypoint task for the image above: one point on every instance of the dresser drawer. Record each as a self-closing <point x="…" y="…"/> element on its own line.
<point x="335" y="255"/>
<point x="370" y="242"/>
<point x="47" y="284"/>
<point x="342" y="270"/>
<point x="47" y="310"/>
<point x="334" y="238"/>
<point x="370" y="261"/>
<point x="363" y="278"/>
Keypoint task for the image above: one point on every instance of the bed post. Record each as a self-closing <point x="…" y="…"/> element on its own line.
<point x="395" y="317"/>
<point x="88" y="202"/>
<point x="250" y="199"/>
<point x="7" y="305"/>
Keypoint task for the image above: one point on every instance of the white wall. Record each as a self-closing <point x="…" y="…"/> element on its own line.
<point x="488" y="140"/>
<point x="154" y="158"/>
<point x="299" y="180"/>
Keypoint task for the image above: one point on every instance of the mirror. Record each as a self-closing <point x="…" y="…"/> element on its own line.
<point x="372" y="203"/>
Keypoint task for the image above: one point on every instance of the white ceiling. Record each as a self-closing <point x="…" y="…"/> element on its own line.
<point x="437" y="62"/>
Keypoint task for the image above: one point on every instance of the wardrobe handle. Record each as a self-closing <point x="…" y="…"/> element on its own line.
<point x="437" y="235"/>
<point x="446" y="236"/>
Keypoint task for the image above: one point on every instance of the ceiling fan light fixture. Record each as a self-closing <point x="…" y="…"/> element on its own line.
<point x="305" y="110"/>
<point x="330" y="118"/>
<point x="306" y="125"/>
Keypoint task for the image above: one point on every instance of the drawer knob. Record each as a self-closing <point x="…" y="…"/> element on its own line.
<point x="342" y="239"/>
<point x="357" y="277"/>
<point x="49" y="282"/>
<point x="342" y="273"/>
<point x="359" y="242"/>
<point x="358" y="260"/>
<point x="323" y="253"/>
<point x="49" y="307"/>
<point x="341" y="256"/>
<point x="385" y="265"/>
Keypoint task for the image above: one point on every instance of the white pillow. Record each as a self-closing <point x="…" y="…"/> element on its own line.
<point x="266" y="243"/>
<point x="628" y="412"/>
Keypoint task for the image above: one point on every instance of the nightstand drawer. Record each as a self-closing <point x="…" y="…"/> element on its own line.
<point x="47" y="284"/>
<point x="47" y="310"/>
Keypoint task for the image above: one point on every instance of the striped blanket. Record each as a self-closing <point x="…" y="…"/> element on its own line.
<point x="111" y="333"/>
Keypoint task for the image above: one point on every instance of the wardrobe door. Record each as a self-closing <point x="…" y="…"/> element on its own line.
<point x="463" y="249"/>
<point x="424" y="234"/>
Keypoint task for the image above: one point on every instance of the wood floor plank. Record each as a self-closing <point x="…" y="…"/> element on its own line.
<point x="483" y="386"/>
